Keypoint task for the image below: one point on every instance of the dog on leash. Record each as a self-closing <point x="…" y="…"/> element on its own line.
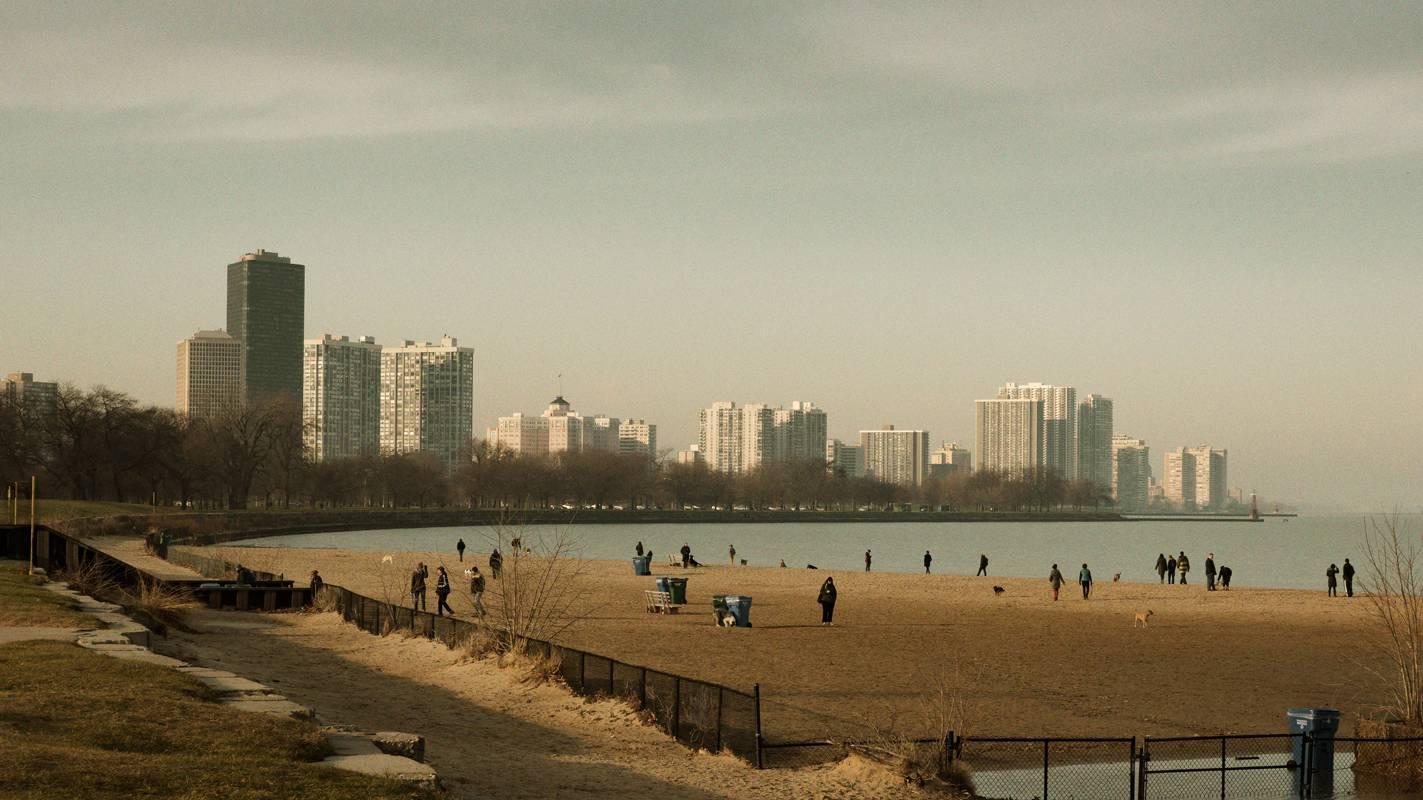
<point x="1141" y="618"/>
<point x="997" y="591"/>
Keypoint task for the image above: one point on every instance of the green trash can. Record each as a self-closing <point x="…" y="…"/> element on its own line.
<point x="677" y="587"/>
<point x="640" y="565"/>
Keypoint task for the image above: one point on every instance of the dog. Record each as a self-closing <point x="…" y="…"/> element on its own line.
<point x="1141" y="618"/>
<point x="469" y="573"/>
<point x="388" y="560"/>
<point x="1117" y="578"/>
<point x="997" y="591"/>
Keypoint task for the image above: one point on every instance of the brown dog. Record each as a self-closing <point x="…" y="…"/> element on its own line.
<point x="1141" y="618"/>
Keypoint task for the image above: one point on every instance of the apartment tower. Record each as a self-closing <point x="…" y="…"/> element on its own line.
<point x="340" y="400"/>
<point x="266" y="312"/>
<point x="427" y="399"/>
<point x="1008" y="434"/>
<point x="209" y="374"/>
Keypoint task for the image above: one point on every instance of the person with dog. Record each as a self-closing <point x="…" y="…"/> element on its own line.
<point x="1085" y="578"/>
<point x="1333" y="575"/>
<point x="459" y="547"/>
<point x="1348" y="578"/>
<point x="1055" y="579"/>
<point x="732" y="552"/>
<point x="1225" y="577"/>
<point x="417" y="590"/>
<point x="1161" y="566"/>
<point x="1183" y="565"/>
<point x="928" y="559"/>
<point x="476" y="591"/>
<point x="827" y="601"/>
<point x="442" y="591"/>
<point x="1210" y="572"/>
<point x="496" y="562"/>
<point x="1171" y="571"/>
<point x="982" y="566"/>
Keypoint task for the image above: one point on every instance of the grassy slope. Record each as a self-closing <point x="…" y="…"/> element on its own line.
<point x="24" y="603"/>
<point x="78" y="724"/>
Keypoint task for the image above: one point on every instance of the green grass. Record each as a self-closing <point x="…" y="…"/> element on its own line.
<point x="24" y="603"/>
<point x="77" y="724"/>
<point x="48" y="511"/>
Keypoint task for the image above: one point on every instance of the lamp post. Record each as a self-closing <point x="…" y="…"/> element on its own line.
<point x="32" y="524"/>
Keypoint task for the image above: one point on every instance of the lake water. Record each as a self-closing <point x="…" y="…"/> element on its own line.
<point x="1277" y="552"/>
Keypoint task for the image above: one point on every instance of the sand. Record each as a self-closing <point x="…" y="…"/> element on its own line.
<point x="916" y="653"/>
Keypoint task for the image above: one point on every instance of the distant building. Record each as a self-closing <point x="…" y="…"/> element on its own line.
<point x="800" y="432"/>
<point x="1009" y="434"/>
<point x="950" y="459"/>
<point x="737" y="439"/>
<point x="266" y="311"/>
<point x="845" y="460"/>
<point x="1058" y="424"/>
<point x="427" y="399"/>
<point x="521" y="434"/>
<point x="1194" y="478"/>
<point x="34" y="399"/>
<point x="209" y="374"/>
<point x="637" y="437"/>
<point x="1131" y="473"/>
<point x="1094" y="440"/>
<point x="894" y="456"/>
<point x="340" y="399"/>
<point x="562" y="430"/>
<point x="692" y="455"/>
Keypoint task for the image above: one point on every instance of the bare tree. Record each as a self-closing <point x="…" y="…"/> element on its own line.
<point x="540" y="593"/>
<point x="1394" y="588"/>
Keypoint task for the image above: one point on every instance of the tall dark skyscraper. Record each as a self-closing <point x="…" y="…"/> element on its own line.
<point x="266" y="310"/>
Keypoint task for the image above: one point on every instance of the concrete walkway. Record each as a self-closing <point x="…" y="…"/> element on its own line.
<point x="133" y="551"/>
<point x="26" y="634"/>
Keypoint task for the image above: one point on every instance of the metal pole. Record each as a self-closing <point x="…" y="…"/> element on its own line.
<point x="1222" y="768"/>
<point x="32" y="524"/>
<point x="676" y="706"/>
<point x="720" y="697"/>
<point x="757" y="689"/>
<point x="1045" y="745"/>
<point x="1131" y="770"/>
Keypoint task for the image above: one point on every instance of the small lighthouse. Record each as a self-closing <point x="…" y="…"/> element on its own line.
<point x="1254" y="508"/>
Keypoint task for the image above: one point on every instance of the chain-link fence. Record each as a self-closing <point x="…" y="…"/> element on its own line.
<point x="1264" y="765"/>
<point x="1043" y="768"/>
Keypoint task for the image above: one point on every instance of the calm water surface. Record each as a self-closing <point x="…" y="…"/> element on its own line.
<point x="1277" y="552"/>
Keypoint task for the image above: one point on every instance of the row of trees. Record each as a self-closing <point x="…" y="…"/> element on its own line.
<point x="102" y="445"/>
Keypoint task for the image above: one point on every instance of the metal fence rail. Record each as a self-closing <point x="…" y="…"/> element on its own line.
<point x="1013" y="767"/>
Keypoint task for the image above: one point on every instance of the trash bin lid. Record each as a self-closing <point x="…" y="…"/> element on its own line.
<point x="1313" y="713"/>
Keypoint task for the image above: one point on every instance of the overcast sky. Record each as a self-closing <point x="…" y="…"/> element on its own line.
<point x="1209" y="213"/>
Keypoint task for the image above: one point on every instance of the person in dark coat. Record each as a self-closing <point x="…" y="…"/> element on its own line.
<point x="982" y="565"/>
<point x="1183" y="566"/>
<point x="442" y="592"/>
<point x="1161" y="566"/>
<point x="1210" y="572"/>
<point x="460" y="547"/>
<point x="417" y="590"/>
<point x="1225" y="577"/>
<point x="496" y="561"/>
<point x="686" y="555"/>
<point x="1333" y="575"/>
<point x="867" y="561"/>
<point x="476" y="591"/>
<point x="639" y="549"/>
<point x="1348" y="578"/>
<point x="1171" y="570"/>
<point x="1054" y="579"/>
<point x="316" y="583"/>
<point x="1085" y="578"/>
<point x="928" y="559"/>
<point x="827" y="601"/>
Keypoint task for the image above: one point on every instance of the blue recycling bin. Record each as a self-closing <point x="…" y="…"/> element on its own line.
<point x="640" y="565"/>
<point x="739" y="607"/>
<point x="1319" y="725"/>
<point x="660" y="583"/>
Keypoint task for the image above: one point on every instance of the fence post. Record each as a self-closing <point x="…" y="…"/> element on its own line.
<point x="720" y="696"/>
<point x="1131" y="770"/>
<point x="612" y="674"/>
<point x="582" y="672"/>
<point x="757" y="689"/>
<point x="676" y="705"/>
<point x="1045" y="746"/>
<point x="1222" y="768"/>
<point x="642" y="688"/>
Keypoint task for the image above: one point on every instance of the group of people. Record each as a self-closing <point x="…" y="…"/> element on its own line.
<point x="1332" y="575"/>
<point x="1084" y="578"/>
<point x="1169" y="568"/>
<point x="420" y="576"/>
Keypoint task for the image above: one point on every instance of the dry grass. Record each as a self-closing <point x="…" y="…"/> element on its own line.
<point x="24" y="603"/>
<point x="122" y="729"/>
<point x="153" y="602"/>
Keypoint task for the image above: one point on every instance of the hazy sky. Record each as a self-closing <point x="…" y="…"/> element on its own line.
<point x="1209" y="213"/>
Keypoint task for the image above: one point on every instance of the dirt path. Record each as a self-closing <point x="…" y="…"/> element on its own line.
<point x="488" y="734"/>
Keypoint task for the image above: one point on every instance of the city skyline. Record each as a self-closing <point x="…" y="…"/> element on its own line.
<point x="1175" y="209"/>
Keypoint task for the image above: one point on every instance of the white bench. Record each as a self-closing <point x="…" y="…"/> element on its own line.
<point x="659" y="602"/>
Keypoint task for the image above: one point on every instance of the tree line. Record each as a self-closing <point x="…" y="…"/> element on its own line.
<point x="100" y="444"/>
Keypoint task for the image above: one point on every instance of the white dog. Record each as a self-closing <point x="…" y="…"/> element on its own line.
<point x="388" y="560"/>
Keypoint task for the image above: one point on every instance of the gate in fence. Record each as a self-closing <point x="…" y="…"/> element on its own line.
<point x="1240" y="766"/>
<point x="1007" y="767"/>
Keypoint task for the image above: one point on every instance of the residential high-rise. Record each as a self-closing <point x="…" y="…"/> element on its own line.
<point x="691" y="456"/>
<point x="521" y="434"/>
<point x="340" y="399"/>
<point x="209" y="374"/>
<point x="427" y="398"/>
<point x="800" y="432"/>
<point x="34" y="399"/>
<point x="1131" y="473"/>
<point x="562" y="430"/>
<point x="637" y="437"/>
<point x="894" y="456"/>
<point x="845" y="460"/>
<point x="1008" y="434"/>
<point x="266" y="311"/>
<point x="1094" y="440"/>
<point x="1059" y="423"/>
<point x="1195" y="478"/>
<point x="737" y="439"/>
<point x="950" y="459"/>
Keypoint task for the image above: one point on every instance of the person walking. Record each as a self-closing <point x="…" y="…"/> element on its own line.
<point x="1348" y="578"/>
<point x="496" y="561"/>
<point x="928" y="559"/>
<point x="639" y="549"/>
<point x="827" y="602"/>
<point x="1085" y="578"/>
<point x="867" y="561"/>
<point x="1161" y="566"/>
<point x="476" y="591"/>
<point x="1225" y="577"/>
<point x="316" y="583"/>
<point x="1183" y="566"/>
<point x="442" y="591"/>
<point x="982" y="566"/>
<point x="1171" y="571"/>
<point x="686" y="555"/>
<point x="1210" y="572"/>
<point x="1333" y="575"/>
<point x="459" y="547"/>
<point x="417" y="590"/>
<point x="1054" y="578"/>
<point x="731" y="551"/>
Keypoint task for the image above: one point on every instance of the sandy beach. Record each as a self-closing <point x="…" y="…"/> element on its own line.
<point x="904" y="646"/>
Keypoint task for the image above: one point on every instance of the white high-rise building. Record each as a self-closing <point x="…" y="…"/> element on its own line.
<point x="845" y="460"/>
<point x="1131" y="473"/>
<point x="800" y="432"/>
<point x="637" y="437"/>
<point x="562" y="430"/>
<point x="894" y="456"/>
<point x="1008" y="434"/>
<point x="1195" y="478"/>
<point x="521" y="434"/>
<point x="1059" y="423"/>
<point x="737" y="439"/>
<point x="427" y="399"/>
<point x="209" y="374"/>
<point x="692" y="455"/>
<point x="340" y="397"/>
<point x="1094" y="440"/>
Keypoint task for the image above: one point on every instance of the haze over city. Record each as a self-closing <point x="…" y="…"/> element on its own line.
<point x="1209" y="217"/>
